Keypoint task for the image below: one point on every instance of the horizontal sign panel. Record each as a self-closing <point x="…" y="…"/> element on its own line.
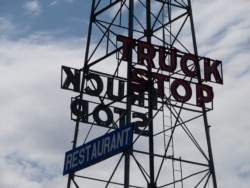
<point x="98" y="149"/>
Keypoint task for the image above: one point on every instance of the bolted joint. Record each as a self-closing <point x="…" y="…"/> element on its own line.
<point x="148" y="32"/>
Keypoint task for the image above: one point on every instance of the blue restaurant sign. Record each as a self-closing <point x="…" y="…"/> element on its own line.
<point x="98" y="149"/>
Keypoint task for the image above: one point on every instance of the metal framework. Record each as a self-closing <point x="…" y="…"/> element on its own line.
<point x="171" y="146"/>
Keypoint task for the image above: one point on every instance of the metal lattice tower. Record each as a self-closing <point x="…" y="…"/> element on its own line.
<point x="171" y="142"/>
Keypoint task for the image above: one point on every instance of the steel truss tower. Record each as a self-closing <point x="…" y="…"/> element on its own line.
<point x="119" y="85"/>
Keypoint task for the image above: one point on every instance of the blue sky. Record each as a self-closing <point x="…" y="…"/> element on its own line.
<point x="63" y="18"/>
<point x="37" y="37"/>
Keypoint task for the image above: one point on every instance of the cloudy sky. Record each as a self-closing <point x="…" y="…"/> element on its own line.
<point x="38" y="36"/>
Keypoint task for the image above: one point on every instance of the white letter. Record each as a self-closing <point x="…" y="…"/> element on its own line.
<point x="81" y="156"/>
<point x="93" y="151"/>
<point x="126" y="132"/>
<point x="119" y="139"/>
<point x="87" y="148"/>
<point x="113" y="143"/>
<point x="106" y="144"/>
<point x="68" y="161"/>
<point x="74" y="161"/>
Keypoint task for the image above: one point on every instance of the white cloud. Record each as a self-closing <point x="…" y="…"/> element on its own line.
<point x="6" y="26"/>
<point x="36" y="115"/>
<point x="55" y="2"/>
<point x="33" y="7"/>
<point x="222" y="30"/>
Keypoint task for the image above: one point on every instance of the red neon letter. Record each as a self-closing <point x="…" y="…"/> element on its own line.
<point x="188" y="91"/>
<point x="71" y="78"/>
<point x="139" y="84"/>
<point x="160" y="82"/>
<point x="200" y="97"/>
<point x="212" y="69"/>
<point x="162" y="58"/>
<point x="128" y="44"/>
<point x="80" y="108"/>
<point x="184" y="65"/>
<point x="146" y="52"/>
